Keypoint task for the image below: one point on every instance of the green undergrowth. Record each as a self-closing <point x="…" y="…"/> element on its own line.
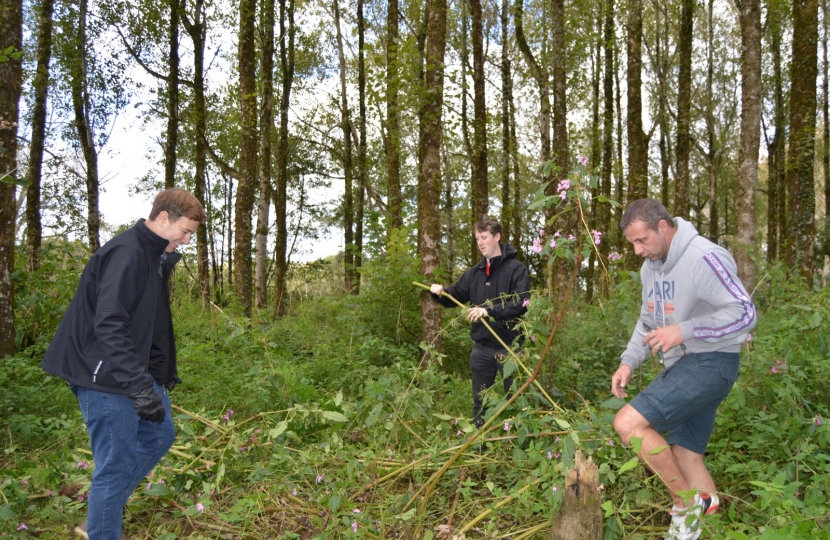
<point x="321" y="425"/>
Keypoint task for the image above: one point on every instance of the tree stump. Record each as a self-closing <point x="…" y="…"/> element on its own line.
<point x="580" y="516"/>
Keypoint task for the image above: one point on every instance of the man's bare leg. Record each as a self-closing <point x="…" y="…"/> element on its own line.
<point x="693" y="469"/>
<point x="630" y="423"/>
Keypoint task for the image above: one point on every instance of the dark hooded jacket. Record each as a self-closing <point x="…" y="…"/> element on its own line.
<point x="504" y="293"/>
<point x="117" y="334"/>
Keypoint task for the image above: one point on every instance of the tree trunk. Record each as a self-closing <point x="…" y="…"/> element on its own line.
<point x="607" y="121"/>
<point x="266" y="122"/>
<point x="560" y="103"/>
<point x="196" y="30"/>
<point x="281" y="191"/>
<point x="429" y="170"/>
<point x="479" y="157"/>
<point x="516" y="236"/>
<point x="684" y="108"/>
<point x="800" y="180"/>
<point x="393" y="132"/>
<point x="776" y="205"/>
<point x="637" y="140"/>
<point x="713" y="154"/>
<point x="11" y="73"/>
<point x="663" y="66"/>
<point x="247" y="154"/>
<point x="172" y="98"/>
<point x="84" y="129"/>
<point x="348" y="194"/>
<point x="751" y="111"/>
<point x="362" y="179"/>
<point x="580" y="515"/>
<point x="41" y="86"/>
<point x="465" y="130"/>
<point x="506" y="97"/>
<point x="825" y="140"/>
<point x="596" y="69"/>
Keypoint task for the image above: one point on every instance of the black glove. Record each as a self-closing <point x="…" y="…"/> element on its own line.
<point x="172" y="383"/>
<point x="148" y="405"/>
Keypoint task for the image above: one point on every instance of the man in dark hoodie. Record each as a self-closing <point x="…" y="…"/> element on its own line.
<point x="115" y="348"/>
<point x="695" y="315"/>
<point x="497" y="288"/>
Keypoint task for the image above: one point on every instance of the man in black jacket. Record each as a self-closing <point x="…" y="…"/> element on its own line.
<point x="497" y="288"/>
<point x="115" y="348"/>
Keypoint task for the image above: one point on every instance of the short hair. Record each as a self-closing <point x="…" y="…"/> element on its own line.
<point x="490" y="225"/>
<point x="177" y="203"/>
<point x="648" y="211"/>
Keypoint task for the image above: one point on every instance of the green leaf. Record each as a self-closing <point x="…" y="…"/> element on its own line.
<point x="334" y="503"/>
<point x="442" y="416"/>
<point x="279" y="430"/>
<point x="338" y="399"/>
<point x="563" y="424"/>
<point x="335" y="416"/>
<point x="630" y="464"/>
<point x="655" y="451"/>
<point x="613" y="403"/>
<point x="608" y="506"/>
<point x="6" y="513"/>
<point x="157" y="490"/>
<point x="406" y="516"/>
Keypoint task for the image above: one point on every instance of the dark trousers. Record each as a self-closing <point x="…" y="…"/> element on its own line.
<point x="484" y="364"/>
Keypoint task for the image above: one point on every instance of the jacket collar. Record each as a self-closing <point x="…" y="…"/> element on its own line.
<point x="155" y="243"/>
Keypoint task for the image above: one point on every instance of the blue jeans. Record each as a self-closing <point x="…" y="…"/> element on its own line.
<point x="125" y="449"/>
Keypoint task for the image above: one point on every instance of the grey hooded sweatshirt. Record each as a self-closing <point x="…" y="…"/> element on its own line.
<point x="696" y="287"/>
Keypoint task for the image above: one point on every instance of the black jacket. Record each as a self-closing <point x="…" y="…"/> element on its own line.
<point x="117" y="334"/>
<point x="503" y="293"/>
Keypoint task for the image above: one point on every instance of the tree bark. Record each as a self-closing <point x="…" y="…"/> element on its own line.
<point x="247" y="154"/>
<point x="506" y="97"/>
<point x="393" y="132"/>
<point x="479" y="157"/>
<point x="609" y="43"/>
<point x="560" y="87"/>
<point x="751" y="111"/>
<point x="800" y="180"/>
<point x="776" y="149"/>
<point x="84" y="128"/>
<point x="266" y="122"/>
<point x="429" y="170"/>
<point x="348" y="194"/>
<point x="11" y="73"/>
<point x="281" y="191"/>
<point x="172" y="98"/>
<point x="580" y="515"/>
<point x="362" y="175"/>
<point x="196" y="30"/>
<point x="684" y="108"/>
<point x="637" y="140"/>
<point x="41" y="86"/>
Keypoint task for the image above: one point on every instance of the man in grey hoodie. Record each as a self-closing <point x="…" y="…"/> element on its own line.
<point x="695" y="315"/>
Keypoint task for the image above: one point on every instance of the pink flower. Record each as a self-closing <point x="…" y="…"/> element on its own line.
<point x="556" y="455"/>
<point x="319" y="478"/>
<point x="525" y="303"/>
<point x="24" y="482"/>
<point x="570" y="237"/>
<point x="354" y="526"/>
<point x="227" y="417"/>
<point x="356" y="511"/>
<point x="563" y="195"/>
<point x="82" y="465"/>
<point x="294" y="492"/>
<point x="537" y="246"/>
<point x="557" y="439"/>
<point x="749" y="337"/>
<point x="149" y="485"/>
<point x="597" y="236"/>
<point x="614" y="256"/>
<point x="553" y="243"/>
<point x="818" y="420"/>
<point x="557" y="234"/>
<point x="507" y="426"/>
<point x="457" y="434"/>
<point x="532" y="338"/>
<point x="22" y="527"/>
<point x="774" y="369"/>
<point x="550" y="455"/>
<point x="200" y="507"/>
<point x="553" y="488"/>
<point x="243" y="448"/>
<point x="583" y="160"/>
<point x="563" y="185"/>
<point x="541" y="232"/>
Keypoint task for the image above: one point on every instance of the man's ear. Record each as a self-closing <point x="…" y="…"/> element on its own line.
<point x="162" y="218"/>
<point x="497" y="236"/>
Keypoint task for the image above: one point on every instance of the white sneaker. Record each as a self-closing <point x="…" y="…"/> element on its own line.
<point x="685" y="522"/>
